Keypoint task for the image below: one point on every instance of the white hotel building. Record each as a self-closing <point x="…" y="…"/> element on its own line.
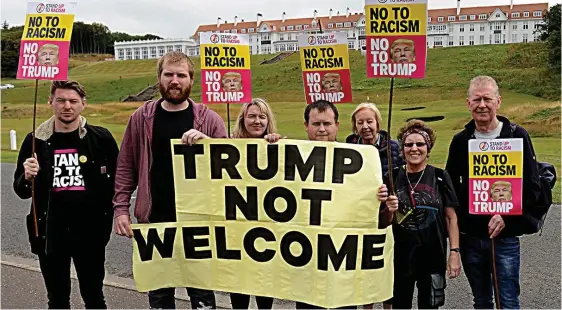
<point x="446" y="27"/>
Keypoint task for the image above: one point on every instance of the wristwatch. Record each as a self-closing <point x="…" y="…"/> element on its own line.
<point x="455" y="250"/>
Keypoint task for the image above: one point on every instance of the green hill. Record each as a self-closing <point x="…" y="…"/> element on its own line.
<point x="531" y="94"/>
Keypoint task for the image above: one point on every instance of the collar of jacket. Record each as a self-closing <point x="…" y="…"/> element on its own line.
<point x="46" y="129"/>
<point x="471" y="126"/>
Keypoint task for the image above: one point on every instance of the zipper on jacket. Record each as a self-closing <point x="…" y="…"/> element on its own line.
<point x="49" y="151"/>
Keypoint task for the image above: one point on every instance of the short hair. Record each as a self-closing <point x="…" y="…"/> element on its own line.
<point x="240" y="130"/>
<point x="331" y="74"/>
<point x="236" y="74"/>
<point x="175" y="57"/>
<point x="504" y="183"/>
<point x="483" y="80"/>
<point x="49" y="45"/>
<point x="404" y="41"/>
<point x="321" y="106"/>
<point x="362" y="106"/>
<point x="68" y="84"/>
<point x="417" y="125"/>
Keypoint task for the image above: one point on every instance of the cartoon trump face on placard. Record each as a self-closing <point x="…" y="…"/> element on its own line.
<point x="232" y="81"/>
<point x="331" y="82"/>
<point x="48" y="55"/>
<point x="403" y="51"/>
<point x="501" y="191"/>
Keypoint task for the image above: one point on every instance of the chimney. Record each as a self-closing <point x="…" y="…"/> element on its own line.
<point x="242" y="20"/>
<point x="235" y="20"/>
<point x="458" y="7"/>
<point x="330" y="14"/>
<point x="347" y="12"/>
<point x="511" y="5"/>
<point x="283" y="17"/>
<point x="218" y="22"/>
<point x="315" y="14"/>
<point x="258" y="19"/>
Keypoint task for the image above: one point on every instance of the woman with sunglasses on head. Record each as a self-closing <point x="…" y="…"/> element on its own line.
<point x="426" y="216"/>
<point x="255" y="120"/>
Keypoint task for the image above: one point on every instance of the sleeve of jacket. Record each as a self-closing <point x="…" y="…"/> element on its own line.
<point x="451" y="165"/>
<point x="22" y="187"/>
<point x="127" y="164"/>
<point x="219" y="129"/>
<point x="531" y="182"/>
<point x="395" y="148"/>
<point x="113" y="153"/>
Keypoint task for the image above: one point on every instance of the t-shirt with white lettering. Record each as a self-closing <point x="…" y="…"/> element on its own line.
<point x="489" y="135"/>
<point x="68" y="191"/>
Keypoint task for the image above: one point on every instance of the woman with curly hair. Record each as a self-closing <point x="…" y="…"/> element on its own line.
<point x="426" y="216"/>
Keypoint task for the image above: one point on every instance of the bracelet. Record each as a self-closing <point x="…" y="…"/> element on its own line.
<point x="455" y="250"/>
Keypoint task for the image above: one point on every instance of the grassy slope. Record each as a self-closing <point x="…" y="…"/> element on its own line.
<point x="518" y="69"/>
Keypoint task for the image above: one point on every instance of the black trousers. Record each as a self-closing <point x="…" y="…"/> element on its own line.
<point x="164" y="298"/>
<point x="302" y="305"/>
<point x="241" y="301"/>
<point x="89" y="264"/>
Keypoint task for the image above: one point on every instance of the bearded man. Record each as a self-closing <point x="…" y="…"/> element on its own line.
<point x="145" y="159"/>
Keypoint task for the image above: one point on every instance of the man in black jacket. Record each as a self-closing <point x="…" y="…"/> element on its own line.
<point x="477" y="230"/>
<point x="73" y="169"/>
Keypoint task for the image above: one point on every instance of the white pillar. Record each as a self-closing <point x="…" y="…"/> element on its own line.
<point x="13" y="143"/>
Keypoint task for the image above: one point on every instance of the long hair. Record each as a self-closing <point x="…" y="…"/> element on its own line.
<point x="240" y="130"/>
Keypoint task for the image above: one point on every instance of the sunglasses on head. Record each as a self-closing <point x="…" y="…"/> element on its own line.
<point x="418" y="144"/>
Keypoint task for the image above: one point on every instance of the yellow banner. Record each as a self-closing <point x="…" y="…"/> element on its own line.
<point x="396" y="20"/>
<point x="225" y="56"/>
<point x="295" y="220"/>
<point x="52" y="27"/>
<point x="324" y="58"/>
<point x="496" y="165"/>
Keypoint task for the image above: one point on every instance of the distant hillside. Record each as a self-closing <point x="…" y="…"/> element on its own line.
<point x="517" y="67"/>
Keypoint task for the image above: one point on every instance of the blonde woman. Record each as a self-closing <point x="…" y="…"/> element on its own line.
<point x="366" y="123"/>
<point x="255" y="120"/>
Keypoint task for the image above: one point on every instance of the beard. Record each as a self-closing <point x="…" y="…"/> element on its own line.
<point x="174" y="95"/>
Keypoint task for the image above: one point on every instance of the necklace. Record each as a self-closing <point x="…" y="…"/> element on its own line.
<point x="412" y="188"/>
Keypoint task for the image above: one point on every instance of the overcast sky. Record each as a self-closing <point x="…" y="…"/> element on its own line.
<point x="180" y="18"/>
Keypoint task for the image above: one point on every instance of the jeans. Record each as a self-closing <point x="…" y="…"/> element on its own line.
<point x="476" y="256"/>
<point x="89" y="264"/>
<point x="165" y="298"/>
<point x="242" y="301"/>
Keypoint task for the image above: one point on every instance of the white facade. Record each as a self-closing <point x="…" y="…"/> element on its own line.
<point x="150" y="49"/>
<point x="494" y="29"/>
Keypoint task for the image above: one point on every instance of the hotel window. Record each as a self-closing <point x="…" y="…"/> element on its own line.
<point x="145" y="53"/>
<point x="451" y="28"/>
<point x="461" y="28"/>
<point x="153" y="52"/>
<point x="347" y="24"/>
<point x="363" y="22"/>
<point x="481" y="27"/>
<point x="169" y="48"/>
<point x="496" y="38"/>
<point x="497" y="26"/>
<point x="226" y="31"/>
<point x="483" y="16"/>
<point x="525" y="38"/>
<point x="514" y="38"/>
<point x="281" y="37"/>
<point x="438" y="41"/>
<point x="451" y="41"/>
<point x="362" y="31"/>
<point x="482" y="39"/>
<point x="161" y="51"/>
<point x="471" y="40"/>
<point x="299" y="27"/>
<point x="462" y="17"/>
<point x="282" y="28"/>
<point x="243" y="31"/>
<point x="290" y="28"/>
<point x="330" y="25"/>
<point x="137" y="53"/>
<point x="306" y="26"/>
<point x="525" y="25"/>
<point x="233" y="31"/>
<point x="429" y="19"/>
<point x="121" y="54"/>
<point x="514" y="26"/>
<point x="451" y="18"/>
<point x="472" y="17"/>
<point x="440" y="19"/>
<point x="503" y="38"/>
<point x="471" y="27"/>
<point x="515" y="15"/>
<point x="251" y="30"/>
<point x="537" y="14"/>
<point x="461" y="40"/>
<point x="351" y="45"/>
<point x="251" y="50"/>
<point x="274" y="28"/>
<point x="339" y="25"/>
<point x="178" y="48"/>
<point x="498" y="14"/>
<point x="525" y="14"/>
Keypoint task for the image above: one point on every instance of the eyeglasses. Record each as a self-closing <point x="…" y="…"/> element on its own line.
<point x="418" y="144"/>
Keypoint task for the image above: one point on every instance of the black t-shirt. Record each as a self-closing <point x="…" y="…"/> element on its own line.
<point x="167" y="126"/>
<point x="422" y="230"/>
<point x="68" y="188"/>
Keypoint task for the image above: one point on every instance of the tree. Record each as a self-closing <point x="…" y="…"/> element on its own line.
<point x="550" y="32"/>
<point x="5" y="25"/>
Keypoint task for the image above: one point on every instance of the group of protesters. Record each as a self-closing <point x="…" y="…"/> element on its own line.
<point x="78" y="172"/>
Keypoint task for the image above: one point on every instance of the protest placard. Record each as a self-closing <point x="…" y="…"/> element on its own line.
<point x="325" y="67"/>
<point x="496" y="176"/>
<point x="396" y="38"/>
<point x="296" y="220"/>
<point x="225" y="68"/>
<point x="45" y="42"/>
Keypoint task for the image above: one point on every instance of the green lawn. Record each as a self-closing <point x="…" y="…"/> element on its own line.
<point x="531" y="95"/>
